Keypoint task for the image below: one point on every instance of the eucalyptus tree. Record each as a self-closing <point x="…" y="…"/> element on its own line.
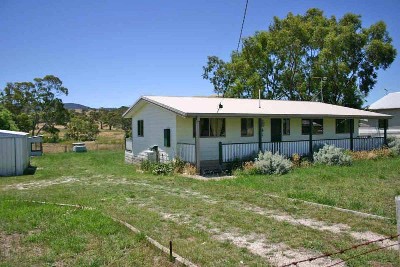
<point x="36" y="105"/>
<point x="291" y="59"/>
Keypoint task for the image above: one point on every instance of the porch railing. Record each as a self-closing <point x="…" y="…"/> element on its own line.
<point x="186" y="152"/>
<point x="233" y="151"/>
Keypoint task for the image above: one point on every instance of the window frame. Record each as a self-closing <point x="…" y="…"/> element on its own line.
<point x="167" y="137"/>
<point x="244" y="122"/>
<point x="287" y="128"/>
<point x="311" y="127"/>
<point x="210" y="123"/>
<point x="140" y="128"/>
<point x="346" y="126"/>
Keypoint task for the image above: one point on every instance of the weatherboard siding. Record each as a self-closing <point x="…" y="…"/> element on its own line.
<point x="155" y="120"/>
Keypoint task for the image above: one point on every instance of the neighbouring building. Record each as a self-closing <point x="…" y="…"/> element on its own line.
<point x="389" y="104"/>
<point x="16" y="148"/>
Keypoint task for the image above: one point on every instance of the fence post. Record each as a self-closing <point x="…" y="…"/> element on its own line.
<point x="220" y="153"/>
<point x="397" y="199"/>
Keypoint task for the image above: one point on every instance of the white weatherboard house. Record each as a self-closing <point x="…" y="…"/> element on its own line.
<point x="212" y="131"/>
<point x="389" y="104"/>
<point x="15" y="151"/>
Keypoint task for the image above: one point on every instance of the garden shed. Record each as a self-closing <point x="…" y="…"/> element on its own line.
<point x="15" y="151"/>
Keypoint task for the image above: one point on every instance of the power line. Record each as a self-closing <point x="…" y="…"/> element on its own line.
<point x="237" y="50"/>
<point x="241" y="29"/>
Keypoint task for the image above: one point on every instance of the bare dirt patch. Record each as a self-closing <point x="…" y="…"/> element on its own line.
<point x="40" y="184"/>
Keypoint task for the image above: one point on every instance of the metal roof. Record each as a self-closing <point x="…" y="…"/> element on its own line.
<point x="209" y="106"/>
<point x="6" y="133"/>
<point x="389" y="101"/>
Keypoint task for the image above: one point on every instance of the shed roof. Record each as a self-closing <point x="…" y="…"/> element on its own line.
<point x="6" y="133"/>
<point x="389" y="101"/>
<point x="232" y="107"/>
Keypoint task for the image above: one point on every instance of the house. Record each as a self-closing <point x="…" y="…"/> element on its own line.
<point x="15" y="151"/>
<point x="212" y="131"/>
<point x="389" y="104"/>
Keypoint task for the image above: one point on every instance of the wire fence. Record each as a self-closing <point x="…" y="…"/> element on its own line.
<point x="60" y="148"/>
<point x="342" y="251"/>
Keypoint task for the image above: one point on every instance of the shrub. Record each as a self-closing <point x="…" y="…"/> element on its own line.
<point x="296" y="160"/>
<point x="394" y="145"/>
<point x="371" y="155"/>
<point x="163" y="168"/>
<point x="331" y="155"/>
<point x="189" y="169"/>
<point x="268" y="163"/>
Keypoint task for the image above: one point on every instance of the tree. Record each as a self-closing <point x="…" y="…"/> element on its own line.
<point x="82" y="129"/>
<point x="36" y="103"/>
<point x="290" y="59"/>
<point x="6" y="120"/>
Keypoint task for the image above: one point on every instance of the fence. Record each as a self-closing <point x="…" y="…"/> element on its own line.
<point x="186" y="152"/>
<point x="59" y="148"/>
<point x="232" y="151"/>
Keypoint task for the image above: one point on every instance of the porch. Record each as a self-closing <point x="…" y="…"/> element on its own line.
<point x="229" y="152"/>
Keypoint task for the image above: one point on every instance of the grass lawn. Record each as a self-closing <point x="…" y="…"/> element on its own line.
<point x="212" y="223"/>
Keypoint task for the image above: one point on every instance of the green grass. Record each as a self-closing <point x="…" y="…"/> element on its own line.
<point x="103" y="181"/>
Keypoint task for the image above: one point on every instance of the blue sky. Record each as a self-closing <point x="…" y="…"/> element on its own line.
<point x="108" y="53"/>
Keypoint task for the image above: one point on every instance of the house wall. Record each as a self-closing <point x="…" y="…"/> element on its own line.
<point x="394" y="123"/>
<point x="155" y="120"/>
<point x="209" y="145"/>
<point x="14" y="155"/>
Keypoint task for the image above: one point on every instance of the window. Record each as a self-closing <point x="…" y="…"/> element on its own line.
<point x="317" y="126"/>
<point x="343" y="126"/>
<point x="167" y="137"/>
<point x="247" y="127"/>
<point x="140" y="129"/>
<point x="210" y="127"/>
<point x="286" y="127"/>
<point x="381" y="123"/>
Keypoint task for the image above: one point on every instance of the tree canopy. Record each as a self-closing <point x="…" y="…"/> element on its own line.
<point x="292" y="58"/>
<point x="36" y="103"/>
<point x="6" y="120"/>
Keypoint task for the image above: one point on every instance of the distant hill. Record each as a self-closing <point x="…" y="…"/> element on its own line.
<point x="75" y="106"/>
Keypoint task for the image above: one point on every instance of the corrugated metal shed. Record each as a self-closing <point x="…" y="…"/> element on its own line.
<point x="14" y="153"/>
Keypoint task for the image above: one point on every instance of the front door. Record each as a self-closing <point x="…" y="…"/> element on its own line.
<point x="276" y="130"/>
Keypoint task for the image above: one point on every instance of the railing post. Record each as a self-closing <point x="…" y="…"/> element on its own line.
<point x="310" y="148"/>
<point x="220" y="153"/>
<point x="385" y="126"/>
<point x="259" y="134"/>
<point x="351" y="134"/>
<point x="197" y="145"/>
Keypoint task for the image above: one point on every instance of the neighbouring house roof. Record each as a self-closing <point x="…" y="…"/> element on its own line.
<point x="6" y="133"/>
<point x="389" y="101"/>
<point x="234" y="107"/>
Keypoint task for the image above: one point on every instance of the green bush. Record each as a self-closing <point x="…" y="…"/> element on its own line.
<point x="268" y="163"/>
<point x="394" y="145"/>
<point x="157" y="168"/>
<point x="331" y="155"/>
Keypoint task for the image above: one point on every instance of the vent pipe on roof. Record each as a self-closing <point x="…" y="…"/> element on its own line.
<point x="259" y="98"/>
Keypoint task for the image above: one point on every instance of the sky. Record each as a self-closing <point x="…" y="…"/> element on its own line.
<point x="109" y="53"/>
